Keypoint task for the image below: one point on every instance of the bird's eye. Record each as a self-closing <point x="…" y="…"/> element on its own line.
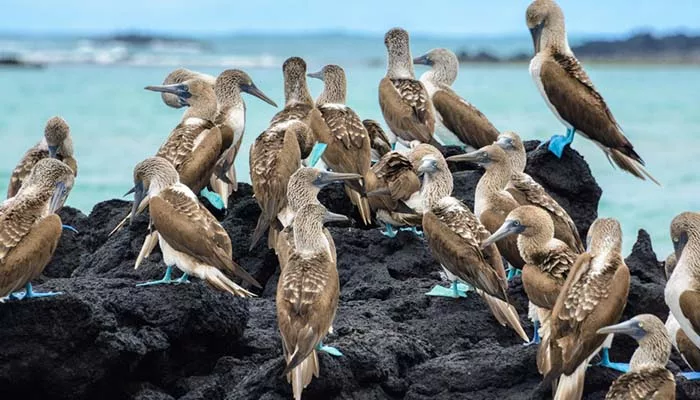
<point x="516" y="223"/>
<point x="641" y="325"/>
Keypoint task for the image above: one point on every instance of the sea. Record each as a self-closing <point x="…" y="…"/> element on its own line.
<point x="97" y="86"/>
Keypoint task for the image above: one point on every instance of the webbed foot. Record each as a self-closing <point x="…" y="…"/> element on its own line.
<point x="183" y="279"/>
<point x="512" y="273"/>
<point x="213" y="198"/>
<point x="389" y="231"/>
<point x="605" y="362"/>
<point x="691" y="376"/>
<point x="29" y="293"/>
<point x="536" y="337"/>
<point x="329" y="350"/>
<point x="412" y="229"/>
<point x="167" y="279"/>
<point x="455" y="291"/>
<point x="558" y="142"/>
<point x="316" y="153"/>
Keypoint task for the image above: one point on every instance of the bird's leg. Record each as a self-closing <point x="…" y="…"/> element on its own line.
<point x="167" y="278"/>
<point x="328" y="349"/>
<point x="455" y="291"/>
<point x="389" y="231"/>
<point x="316" y="153"/>
<point x="558" y="142"/>
<point x="512" y="273"/>
<point x="213" y="198"/>
<point x="183" y="279"/>
<point x="30" y="293"/>
<point x="70" y="228"/>
<point x="412" y="229"/>
<point x="691" y="376"/>
<point x="605" y="362"/>
<point x="536" y="335"/>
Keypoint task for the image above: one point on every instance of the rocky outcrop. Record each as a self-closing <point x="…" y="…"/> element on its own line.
<point x="106" y="338"/>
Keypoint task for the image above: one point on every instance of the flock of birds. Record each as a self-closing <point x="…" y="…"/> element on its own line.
<point x="577" y="293"/>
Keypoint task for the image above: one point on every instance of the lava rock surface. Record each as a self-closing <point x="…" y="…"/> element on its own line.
<point x="106" y="338"/>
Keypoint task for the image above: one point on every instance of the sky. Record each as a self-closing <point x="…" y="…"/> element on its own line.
<point x="431" y="17"/>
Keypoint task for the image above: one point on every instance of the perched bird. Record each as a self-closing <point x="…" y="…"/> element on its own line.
<point x="528" y="192"/>
<point x="464" y="122"/>
<point x="378" y="139"/>
<point x="548" y="261"/>
<point x="455" y="238"/>
<point x="683" y="287"/>
<point x="307" y="296"/>
<point x="57" y="143"/>
<point x="689" y="351"/>
<point x="594" y="296"/>
<point x="648" y="377"/>
<point x="29" y="227"/>
<point x="393" y="185"/>
<point x="180" y="75"/>
<point x="405" y="103"/>
<point x="348" y="147"/>
<point x="570" y="94"/>
<point x="299" y="105"/>
<point x="189" y="236"/>
<point x="230" y="120"/>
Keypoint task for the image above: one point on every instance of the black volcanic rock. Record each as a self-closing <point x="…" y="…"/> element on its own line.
<point x="106" y="338"/>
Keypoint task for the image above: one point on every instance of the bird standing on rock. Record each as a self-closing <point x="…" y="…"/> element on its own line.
<point x="455" y="238"/>
<point x="570" y="94"/>
<point x="648" y="377"/>
<point x="379" y="141"/>
<point x="307" y="296"/>
<point x="463" y="121"/>
<point x="57" y="143"/>
<point x="30" y="229"/>
<point x="189" y="236"/>
<point x="348" y="147"/>
<point x="405" y="103"/>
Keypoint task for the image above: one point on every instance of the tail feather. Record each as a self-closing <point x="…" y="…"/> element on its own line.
<point x="221" y="188"/>
<point x="626" y="163"/>
<point x="220" y="281"/>
<point x="301" y="375"/>
<point x="149" y="243"/>
<point x="362" y="203"/>
<point x="260" y="229"/>
<point x="505" y="314"/>
<point x="544" y="356"/>
<point x="570" y="387"/>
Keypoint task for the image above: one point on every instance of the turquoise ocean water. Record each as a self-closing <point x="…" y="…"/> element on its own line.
<point x="98" y="89"/>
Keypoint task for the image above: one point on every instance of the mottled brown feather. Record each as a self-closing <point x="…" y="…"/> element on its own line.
<point x="649" y="383"/>
<point x="690" y="307"/>
<point x="24" y="168"/>
<point x="463" y="119"/>
<point x="690" y="352"/>
<point x="407" y="109"/>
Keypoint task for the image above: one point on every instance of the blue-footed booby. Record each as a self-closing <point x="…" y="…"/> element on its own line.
<point x="593" y="297"/>
<point x="189" y="236"/>
<point x="57" y="143"/>
<point x="307" y="296"/>
<point x="181" y="75"/>
<point x="463" y="121"/>
<point x="528" y="192"/>
<point x="455" y="239"/>
<point x="378" y="139"/>
<point x="648" y="377"/>
<point x="689" y="351"/>
<point x="405" y="103"/>
<point x="570" y="94"/>
<point x="348" y="147"/>
<point x="548" y="261"/>
<point x="29" y="227"/>
<point x="682" y="291"/>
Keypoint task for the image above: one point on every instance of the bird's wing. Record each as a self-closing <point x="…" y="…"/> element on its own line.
<point x="645" y="384"/>
<point x="407" y="108"/>
<point x="463" y="119"/>
<point x="24" y="168"/>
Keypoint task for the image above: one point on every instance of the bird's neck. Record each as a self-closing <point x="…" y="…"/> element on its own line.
<point x="531" y="245"/>
<point x="440" y="74"/>
<point x="653" y="351"/>
<point x="160" y="183"/>
<point x="334" y="92"/>
<point x="297" y="91"/>
<point x="554" y="38"/>
<point x="309" y="237"/>
<point x="435" y="187"/>
<point x="400" y="65"/>
<point x="205" y="109"/>
<point x="301" y="195"/>
<point x="490" y="187"/>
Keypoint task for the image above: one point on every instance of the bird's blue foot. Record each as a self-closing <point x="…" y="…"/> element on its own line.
<point x="605" y="362"/>
<point x="455" y="291"/>
<point x="316" y="153"/>
<point x="29" y="293"/>
<point x="328" y="349"/>
<point x="558" y="142"/>
<point x="214" y="198"/>
<point x="393" y="146"/>
<point x="183" y="279"/>
<point x="536" y="336"/>
<point x="412" y="229"/>
<point x="70" y="228"/>
<point x="389" y="231"/>
<point x="512" y="273"/>
<point x="167" y="279"/>
<point x="691" y="376"/>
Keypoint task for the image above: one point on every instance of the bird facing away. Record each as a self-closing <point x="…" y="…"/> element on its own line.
<point x="189" y="236"/>
<point x="689" y="352"/>
<point x="547" y="264"/>
<point x="528" y="192"/>
<point x="181" y="75"/>
<point x="348" y="147"/>
<point x="682" y="291"/>
<point x="307" y="296"/>
<point x="405" y="103"/>
<point x="594" y="296"/>
<point x="648" y="377"/>
<point x="378" y="139"/>
<point x="570" y="94"/>
<point x="29" y="227"/>
<point x="455" y="238"/>
<point x="463" y="121"/>
<point x="230" y="120"/>
<point x="57" y="143"/>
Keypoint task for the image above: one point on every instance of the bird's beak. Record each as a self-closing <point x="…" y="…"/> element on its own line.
<point x="58" y="197"/>
<point x="478" y="157"/>
<point x="317" y="75"/>
<point x="327" y="177"/>
<point x="427" y="166"/>
<point x="680" y="244"/>
<point x="629" y="327"/>
<point x="333" y="217"/>
<point x="536" y="33"/>
<point x="52" y="151"/>
<point x="180" y="90"/>
<point x="507" y="229"/>
<point x="254" y="91"/>
<point x="139" y="194"/>
<point x="422" y="60"/>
